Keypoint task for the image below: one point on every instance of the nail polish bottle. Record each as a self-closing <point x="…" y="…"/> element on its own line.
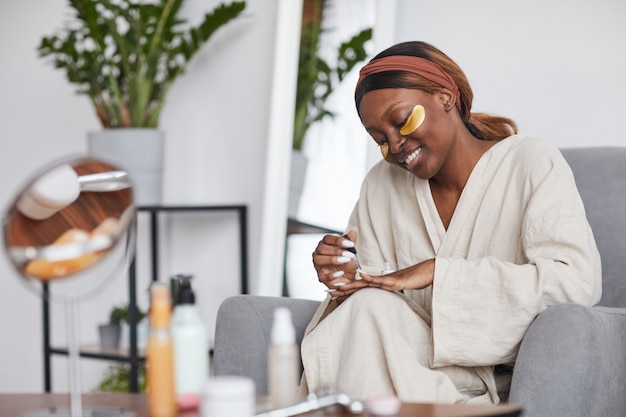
<point x="387" y="268"/>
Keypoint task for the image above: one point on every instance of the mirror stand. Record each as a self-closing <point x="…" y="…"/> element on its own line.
<point x="71" y="322"/>
<point x="75" y="385"/>
<point x="71" y="229"/>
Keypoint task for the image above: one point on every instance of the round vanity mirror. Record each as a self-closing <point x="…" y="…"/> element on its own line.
<point x="71" y="227"/>
<point x="68" y="232"/>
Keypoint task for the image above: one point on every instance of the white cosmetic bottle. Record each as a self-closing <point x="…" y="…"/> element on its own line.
<point x="283" y="361"/>
<point x="191" y="352"/>
<point x="387" y="268"/>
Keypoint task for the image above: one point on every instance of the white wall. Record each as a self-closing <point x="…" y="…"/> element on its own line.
<point x="216" y="124"/>
<point x="557" y="67"/>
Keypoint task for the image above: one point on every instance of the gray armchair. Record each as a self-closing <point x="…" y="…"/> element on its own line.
<point x="572" y="361"/>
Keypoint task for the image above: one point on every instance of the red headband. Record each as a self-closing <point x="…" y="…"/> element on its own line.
<point x="415" y="65"/>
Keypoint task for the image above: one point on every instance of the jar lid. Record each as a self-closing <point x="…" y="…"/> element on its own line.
<point x="50" y="193"/>
<point x="221" y="387"/>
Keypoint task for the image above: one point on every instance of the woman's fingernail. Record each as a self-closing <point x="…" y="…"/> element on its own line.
<point x="339" y="284"/>
<point x="330" y="290"/>
<point x="348" y="254"/>
<point x="347" y="243"/>
<point x="333" y="298"/>
<point x="343" y="260"/>
<point x="337" y="274"/>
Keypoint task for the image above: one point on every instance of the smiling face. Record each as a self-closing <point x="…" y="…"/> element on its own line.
<point x="424" y="147"/>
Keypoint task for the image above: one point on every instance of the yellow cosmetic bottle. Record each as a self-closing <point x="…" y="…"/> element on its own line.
<point x="160" y="359"/>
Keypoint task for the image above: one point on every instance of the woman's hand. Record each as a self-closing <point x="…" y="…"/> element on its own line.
<point x="335" y="265"/>
<point x="414" y="277"/>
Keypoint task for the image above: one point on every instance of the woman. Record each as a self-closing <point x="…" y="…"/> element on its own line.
<point x="485" y="228"/>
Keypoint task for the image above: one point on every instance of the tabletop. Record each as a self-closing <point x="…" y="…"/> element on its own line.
<point x="13" y="405"/>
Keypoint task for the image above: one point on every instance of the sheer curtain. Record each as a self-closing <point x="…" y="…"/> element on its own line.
<point x="336" y="149"/>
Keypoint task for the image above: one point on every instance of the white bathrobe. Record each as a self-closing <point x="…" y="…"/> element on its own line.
<point x="518" y="242"/>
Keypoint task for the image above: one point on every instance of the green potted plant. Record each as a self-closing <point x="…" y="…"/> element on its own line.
<point x="317" y="79"/>
<point x="117" y="378"/>
<point x="125" y="55"/>
<point x="110" y="333"/>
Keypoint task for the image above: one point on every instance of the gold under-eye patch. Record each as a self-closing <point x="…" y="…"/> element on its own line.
<point x="418" y="114"/>
<point x="384" y="149"/>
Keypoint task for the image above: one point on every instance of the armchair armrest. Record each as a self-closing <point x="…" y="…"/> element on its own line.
<point x="242" y="334"/>
<point x="572" y="362"/>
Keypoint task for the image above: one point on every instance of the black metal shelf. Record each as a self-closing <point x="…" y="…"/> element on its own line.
<point x="132" y="355"/>
<point x="297" y="227"/>
<point x="122" y="355"/>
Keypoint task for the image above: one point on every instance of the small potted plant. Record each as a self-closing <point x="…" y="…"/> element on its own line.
<point x="110" y="333"/>
<point x="117" y="378"/>
<point x="125" y="55"/>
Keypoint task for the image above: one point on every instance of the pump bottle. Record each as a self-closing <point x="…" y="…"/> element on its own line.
<point x="191" y="350"/>
<point x="160" y="364"/>
<point x="283" y="361"/>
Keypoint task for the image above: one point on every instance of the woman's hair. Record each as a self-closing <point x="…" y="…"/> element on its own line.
<point x="481" y="125"/>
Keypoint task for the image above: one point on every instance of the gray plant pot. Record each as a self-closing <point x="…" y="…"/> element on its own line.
<point x="110" y="335"/>
<point x="139" y="151"/>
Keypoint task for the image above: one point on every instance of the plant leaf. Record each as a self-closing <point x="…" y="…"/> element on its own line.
<point x="125" y="54"/>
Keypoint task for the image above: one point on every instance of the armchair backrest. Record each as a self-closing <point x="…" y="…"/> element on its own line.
<point x="601" y="179"/>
